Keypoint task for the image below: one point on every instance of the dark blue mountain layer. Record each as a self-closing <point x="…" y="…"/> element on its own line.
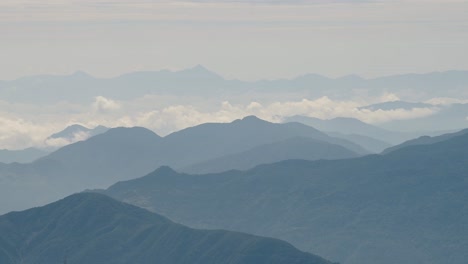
<point x="94" y="229"/>
<point x="406" y="207"/>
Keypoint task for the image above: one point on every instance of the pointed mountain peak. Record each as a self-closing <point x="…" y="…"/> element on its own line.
<point x="69" y="131"/>
<point x="164" y="170"/>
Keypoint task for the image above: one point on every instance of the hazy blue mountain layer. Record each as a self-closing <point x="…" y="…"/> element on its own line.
<point x="293" y="148"/>
<point x="127" y="153"/>
<point x="369" y="143"/>
<point x="22" y="155"/>
<point x="394" y="105"/>
<point x="198" y="81"/>
<point x="408" y="206"/>
<point x="67" y="136"/>
<point x="425" y="140"/>
<point x="70" y="131"/>
<point x="449" y="118"/>
<point x="354" y="127"/>
<point x="95" y="229"/>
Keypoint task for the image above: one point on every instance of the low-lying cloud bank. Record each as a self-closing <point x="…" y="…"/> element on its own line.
<point x="20" y="129"/>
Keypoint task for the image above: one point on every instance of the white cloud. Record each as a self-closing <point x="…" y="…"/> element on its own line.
<point x="60" y="142"/>
<point x="103" y="105"/>
<point x="389" y="97"/>
<point x="30" y="125"/>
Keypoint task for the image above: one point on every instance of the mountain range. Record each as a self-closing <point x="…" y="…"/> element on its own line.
<point x="70" y="134"/>
<point x="292" y="148"/>
<point x="199" y="81"/>
<point x="370" y="136"/>
<point x="22" y="155"/>
<point x="408" y="206"/>
<point x="95" y="229"/>
<point x="126" y="153"/>
<point x="426" y="140"/>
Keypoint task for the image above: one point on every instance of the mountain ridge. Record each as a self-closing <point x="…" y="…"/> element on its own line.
<point x="407" y="206"/>
<point x="93" y="228"/>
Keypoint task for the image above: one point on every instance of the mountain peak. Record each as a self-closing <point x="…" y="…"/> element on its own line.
<point x="69" y="131"/>
<point x="200" y="71"/>
<point x="66" y="227"/>
<point x="252" y="118"/>
<point x="164" y="170"/>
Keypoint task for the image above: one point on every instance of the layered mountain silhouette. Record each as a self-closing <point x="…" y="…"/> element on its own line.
<point x="21" y="155"/>
<point x="198" y="81"/>
<point x="135" y="151"/>
<point x="219" y="139"/>
<point x="425" y="140"/>
<point x="94" y="229"/>
<point x="293" y="148"/>
<point x="370" y="136"/>
<point x="72" y="134"/>
<point x="447" y="117"/>
<point x="126" y="153"/>
<point x="70" y="131"/>
<point x="67" y="136"/>
<point x="394" y="105"/>
<point x="371" y="144"/>
<point x="408" y="206"/>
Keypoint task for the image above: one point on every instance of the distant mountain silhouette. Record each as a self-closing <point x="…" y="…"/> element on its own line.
<point x="198" y="81"/>
<point x="444" y="117"/>
<point x="369" y="143"/>
<point x="70" y="131"/>
<point x="425" y="140"/>
<point x="22" y="155"/>
<point x="394" y="105"/>
<point x="72" y="134"/>
<point x="406" y="207"/>
<point x="212" y="140"/>
<point x="95" y="229"/>
<point x="352" y="126"/>
<point x="293" y="148"/>
<point x="116" y="154"/>
<point x="67" y="136"/>
<point x="127" y="153"/>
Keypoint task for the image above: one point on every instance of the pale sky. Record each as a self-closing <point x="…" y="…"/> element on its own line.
<point x="243" y="39"/>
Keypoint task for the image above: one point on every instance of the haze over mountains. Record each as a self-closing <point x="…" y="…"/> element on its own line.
<point x="202" y="82"/>
<point x="126" y="153"/>
<point x="408" y="206"/>
<point x="320" y="132"/>
<point x="95" y="229"/>
<point x="74" y="133"/>
<point x="403" y="206"/>
<point x="292" y="148"/>
<point x="426" y="140"/>
<point x="22" y="155"/>
<point x="69" y="135"/>
<point x="167" y="101"/>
